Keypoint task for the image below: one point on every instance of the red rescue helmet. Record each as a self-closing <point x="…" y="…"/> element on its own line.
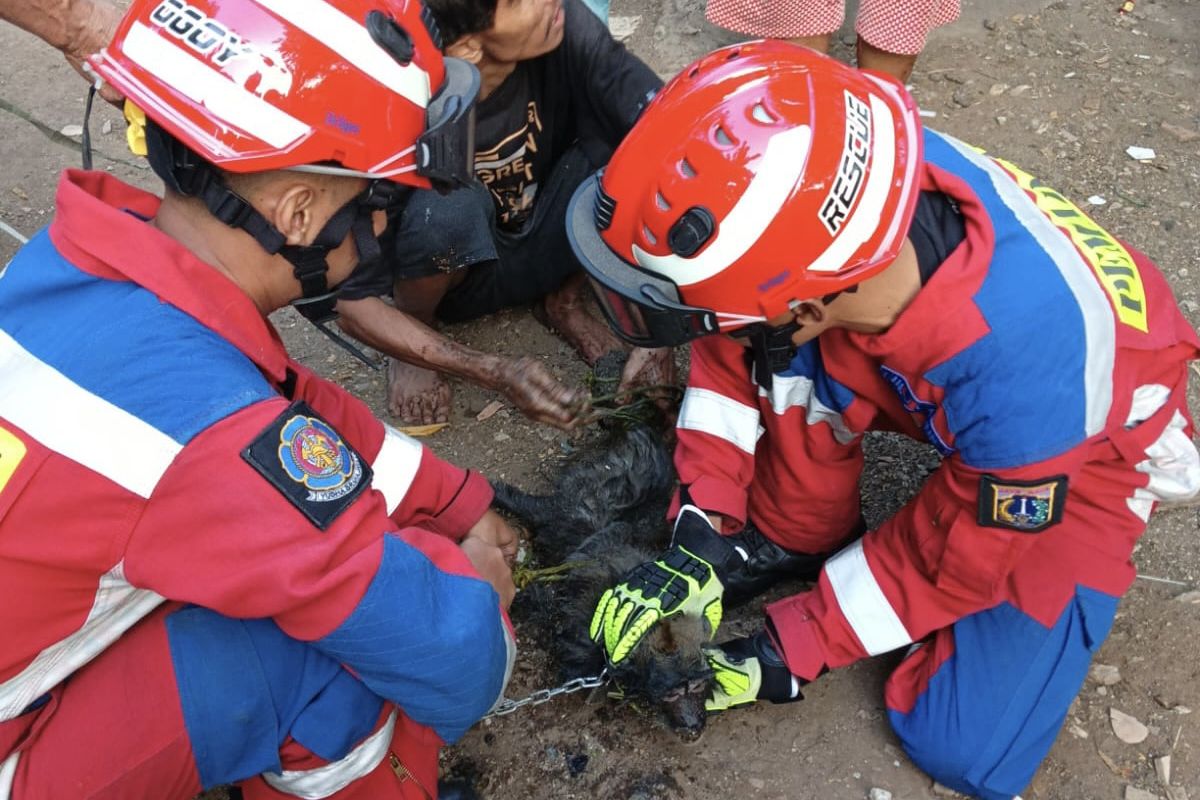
<point x="763" y="174"/>
<point x="354" y="87"/>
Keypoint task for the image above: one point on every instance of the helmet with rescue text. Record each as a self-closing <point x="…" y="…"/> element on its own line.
<point x="762" y="175"/>
<point x="344" y="87"/>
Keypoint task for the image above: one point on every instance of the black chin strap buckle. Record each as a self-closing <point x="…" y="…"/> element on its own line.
<point x="772" y="351"/>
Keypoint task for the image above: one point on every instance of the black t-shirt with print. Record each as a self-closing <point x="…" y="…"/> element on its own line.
<point x="588" y="88"/>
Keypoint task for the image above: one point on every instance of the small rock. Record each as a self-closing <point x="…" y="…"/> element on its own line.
<point x="71" y="130"/>
<point x="1017" y="91"/>
<point x="879" y="794"/>
<point x="578" y="763"/>
<point x="1127" y="728"/>
<point x="1096" y="200"/>
<point x="1102" y="691"/>
<point x="1077" y="732"/>
<point x="1181" y="133"/>
<point x="997" y="89"/>
<point x="757" y="783"/>
<point x="1134" y="793"/>
<point x="944" y="791"/>
<point x="501" y="436"/>
<point x="1183" y="709"/>
<point x="489" y="410"/>
<point x="1001" y="120"/>
<point x="955" y="77"/>
<point x="106" y="128"/>
<point x="1162" y="768"/>
<point x="1168" y="225"/>
<point x="990" y="24"/>
<point x="1192" y="597"/>
<point x="1105" y="674"/>
<point x="624" y="27"/>
<point x="961" y="98"/>
<point x="1140" y="153"/>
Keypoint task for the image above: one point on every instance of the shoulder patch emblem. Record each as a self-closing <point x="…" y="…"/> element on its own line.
<point x="1025" y="506"/>
<point x="303" y="457"/>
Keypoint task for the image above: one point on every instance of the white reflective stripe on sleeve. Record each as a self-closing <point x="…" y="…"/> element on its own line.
<point x="350" y="40"/>
<point x="80" y="425"/>
<point x="396" y="466"/>
<point x="201" y="83"/>
<point x="118" y="606"/>
<point x="775" y="178"/>
<point x="710" y="412"/>
<point x="314" y="784"/>
<point x="863" y="602"/>
<point x="788" y="391"/>
<point x="8" y="770"/>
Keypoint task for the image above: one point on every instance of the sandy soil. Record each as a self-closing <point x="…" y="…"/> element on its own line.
<point x="1061" y="89"/>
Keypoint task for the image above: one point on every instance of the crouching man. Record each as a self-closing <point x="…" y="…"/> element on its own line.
<point x="218" y="567"/>
<point x="840" y="270"/>
<point x="557" y="95"/>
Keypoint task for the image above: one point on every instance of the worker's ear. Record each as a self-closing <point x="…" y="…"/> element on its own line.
<point x="469" y="48"/>
<point x="292" y="213"/>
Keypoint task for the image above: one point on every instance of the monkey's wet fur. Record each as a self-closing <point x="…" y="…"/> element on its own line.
<point x="605" y="515"/>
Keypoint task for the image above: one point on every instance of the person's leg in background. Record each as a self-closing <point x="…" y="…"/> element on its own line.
<point x="187" y="700"/>
<point x="891" y="34"/>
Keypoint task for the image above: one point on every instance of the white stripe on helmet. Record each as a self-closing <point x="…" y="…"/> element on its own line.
<point x="350" y="40"/>
<point x="864" y="220"/>
<point x="780" y="170"/>
<point x="223" y="97"/>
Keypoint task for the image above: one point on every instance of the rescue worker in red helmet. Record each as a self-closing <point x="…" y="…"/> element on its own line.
<point x="220" y="568"/>
<point x="838" y="270"/>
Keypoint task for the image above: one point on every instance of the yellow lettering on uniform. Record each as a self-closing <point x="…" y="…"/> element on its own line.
<point x="12" y="450"/>
<point x="1108" y="258"/>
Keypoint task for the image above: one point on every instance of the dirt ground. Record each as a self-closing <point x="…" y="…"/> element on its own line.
<point x="1060" y="88"/>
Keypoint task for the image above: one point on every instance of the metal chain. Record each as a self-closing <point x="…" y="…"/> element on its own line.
<point x="507" y="706"/>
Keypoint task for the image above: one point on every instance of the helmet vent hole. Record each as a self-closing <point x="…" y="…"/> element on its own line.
<point x="661" y="202"/>
<point x="722" y="137"/>
<point x="650" y="237"/>
<point x="733" y="54"/>
<point x="686" y="169"/>
<point x="760" y="114"/>
<point x="694" y="72"/>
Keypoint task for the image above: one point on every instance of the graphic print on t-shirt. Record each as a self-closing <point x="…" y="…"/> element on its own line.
<point x="507" y="170"/>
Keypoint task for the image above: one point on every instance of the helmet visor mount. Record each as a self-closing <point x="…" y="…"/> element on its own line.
<point x="446" y="150"/>
<point x="642" y="308"/>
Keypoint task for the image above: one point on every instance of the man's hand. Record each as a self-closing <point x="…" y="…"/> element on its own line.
<point x="686" y="579"/>
<point x="747" y="670"/>
<point x="89" y="34"/>
<point x="492" y="529"/>
<point x="530" y="386"/>
<point x="488" y="560"/>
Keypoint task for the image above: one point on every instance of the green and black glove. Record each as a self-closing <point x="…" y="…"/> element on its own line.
<point x="747" y="670"/>
<point x="686" y="579"/>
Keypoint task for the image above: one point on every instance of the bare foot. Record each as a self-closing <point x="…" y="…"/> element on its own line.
<point x="566" y="311"/>
<point x="417" y="396"/>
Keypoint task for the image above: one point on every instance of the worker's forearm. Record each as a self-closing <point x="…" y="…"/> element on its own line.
<point x="69" y="25"/>
<point x="403" y="337"/>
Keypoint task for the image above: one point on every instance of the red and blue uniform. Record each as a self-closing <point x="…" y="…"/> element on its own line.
<point x="216" y="564"/>
<point x="1046" y="361"/>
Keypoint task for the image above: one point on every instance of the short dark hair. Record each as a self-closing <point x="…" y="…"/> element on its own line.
<point x="459" y="18"/>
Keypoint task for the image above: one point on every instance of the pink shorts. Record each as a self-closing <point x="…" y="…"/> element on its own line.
<point x="894" y="27"/>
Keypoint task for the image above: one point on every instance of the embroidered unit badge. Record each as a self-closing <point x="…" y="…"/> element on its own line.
<point x="303" y="457"/>
<point x="1026" y="506"/>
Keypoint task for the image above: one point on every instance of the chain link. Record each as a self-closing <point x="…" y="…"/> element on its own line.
<point x="507" y="706"/>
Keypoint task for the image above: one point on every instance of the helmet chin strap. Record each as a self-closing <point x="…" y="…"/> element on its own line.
<point x="771" y="349"/>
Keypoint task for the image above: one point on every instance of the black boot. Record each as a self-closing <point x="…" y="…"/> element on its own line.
<point x="767" y="564"/>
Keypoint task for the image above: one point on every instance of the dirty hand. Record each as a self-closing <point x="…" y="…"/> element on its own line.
<point x="686" y="579"/>
<point x="530" y="386"/>
<point x="492" y="529"/>
<point x="90" y="34"/>
<point x="488" y="560"/>
<point x="747" y="670"/>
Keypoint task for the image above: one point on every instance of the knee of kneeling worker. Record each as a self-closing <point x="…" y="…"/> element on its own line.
<point x="949" y="757"/>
